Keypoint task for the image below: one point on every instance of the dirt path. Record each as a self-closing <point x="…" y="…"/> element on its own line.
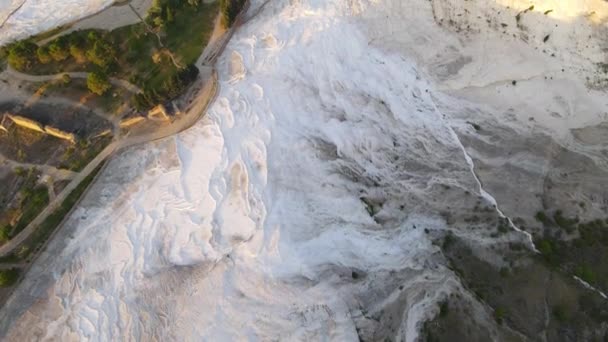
<point x="46" y="170"/>
<point x="44" y="78"/>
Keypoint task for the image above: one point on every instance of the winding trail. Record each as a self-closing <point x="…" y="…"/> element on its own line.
<point x="47" y="170"/>
<point x="55" y="77"/>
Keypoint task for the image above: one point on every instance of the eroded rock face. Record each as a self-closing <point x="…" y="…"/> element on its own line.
<point x="368" y="166"/>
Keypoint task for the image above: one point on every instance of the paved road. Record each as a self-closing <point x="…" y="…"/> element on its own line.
<point x="44" y="78"/>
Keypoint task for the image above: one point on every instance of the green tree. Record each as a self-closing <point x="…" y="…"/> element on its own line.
<point x="194" y="3"/>
<point x="156" y="8"/>
<point x="93" y="37"/>
<point x="169" y="15"/>
<point x="59" y="51"/>
<point x="8" y="277"/>
<point x="22" y="55"/>
<point x="98" y="83"/>
<point x="102" y="53"/>
<point x="43" y="55"/>
<point x="66" y="79"/>
<point x="77" y="49"/>
<point x="78" y="53"/>
<point x="158" y="22"/>
<point x="4" y="232"/>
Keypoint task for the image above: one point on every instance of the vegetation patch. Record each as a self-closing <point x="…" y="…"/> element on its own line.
<point x="524" y="296"/>
<point x="157" y="55"/>
<point x="8" y="277"/>
<point x="230" y="10"/>
<point x="35" y="242"/>
<point x="23" y="205"/>
<point x="581" y="255"/>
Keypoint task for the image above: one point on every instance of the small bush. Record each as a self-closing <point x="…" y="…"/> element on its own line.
<point x="66" y="79"/>
<point x="8" y="277"/>
<point x="500" y="314"/>
<point x="543" y="218"/>
<point x="98" y="83"/>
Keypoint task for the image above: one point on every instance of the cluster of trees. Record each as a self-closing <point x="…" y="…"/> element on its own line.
<point x="5" y="230"/>
<point x="230" y="10"/>
<point x="93" y="48"/>
<point x="170" y="89"/>
<point x="162" y="12"/>
<point x="22" y="55"/>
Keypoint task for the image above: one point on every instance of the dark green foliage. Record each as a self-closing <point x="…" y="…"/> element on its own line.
<point x="500" y="314"/>
<point x="43" y="54"/>
<point x="8" y="277"/>
<point x="599" y="312"/>
<point x="169" y="15"/>
<point x="98" y="82"/>
<point x="22" y="55"/>
<point x="59" y="49"/>
<point x="34" y="200"/>
<point x="78" y="48"/>
<point x="171" y="88"/>
<point x="230" y="10"/>
<point x="66" y="79"/>
<point x="585" y="273"/>
<point x="102" y="53"/>
<point x="569" y="225"/>
<point x="561" y="313"/>
<point x="5" y="232"/>
<point x="543" y="218"/>
<point x="582" y="256"/>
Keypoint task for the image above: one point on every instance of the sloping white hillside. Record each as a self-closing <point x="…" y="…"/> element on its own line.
<point x="24" y="18"/>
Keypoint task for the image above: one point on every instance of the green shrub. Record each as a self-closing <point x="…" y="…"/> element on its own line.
<point x="22" y="55"/>
<point x="499" y="314"/>
<point x="98" y="82"/>
<point x="230" y="10"/>
<point x="43" y="55"/>
<point x="8" y="277"/>
<point x="59" y="50"/>
<point x="102" y="53"/>
<point x="66" y="79"/>
<point x="543" y="218"/>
